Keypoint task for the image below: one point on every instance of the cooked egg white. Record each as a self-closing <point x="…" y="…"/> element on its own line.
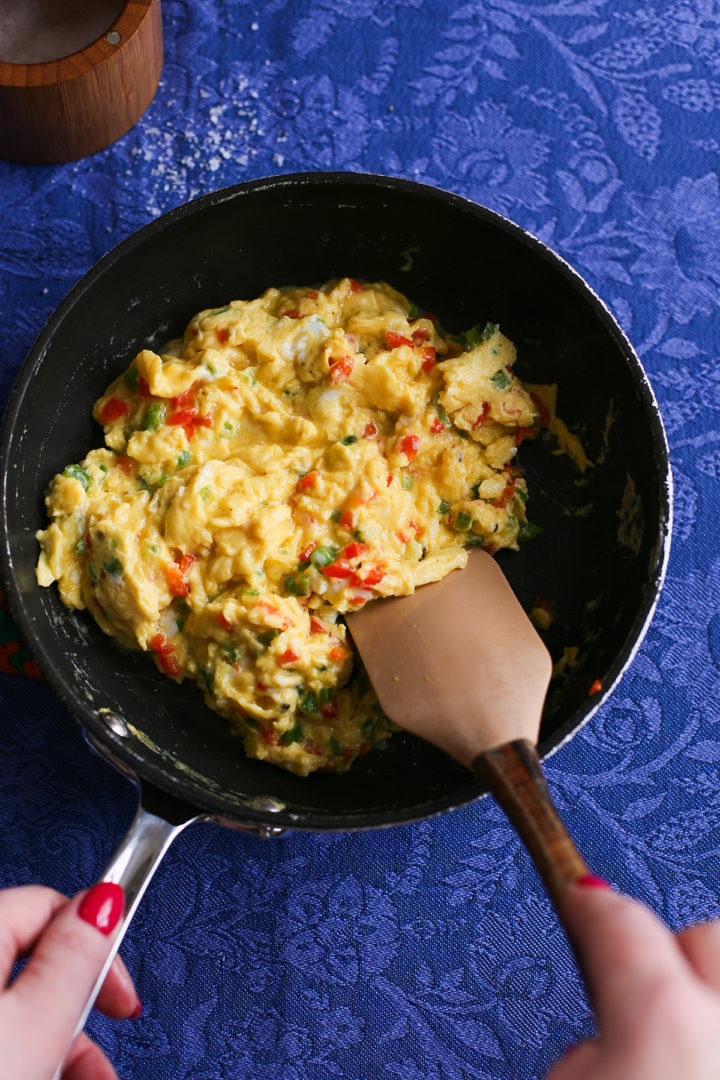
<point x="289" y="459"/>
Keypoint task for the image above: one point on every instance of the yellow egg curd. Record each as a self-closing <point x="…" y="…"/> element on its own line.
<point x="289" y="459"/>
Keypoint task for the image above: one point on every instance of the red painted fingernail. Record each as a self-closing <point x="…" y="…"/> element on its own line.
<point x="138" y="1010"/>
<point x="589" y="881"/>
<point x="103" y="906"/>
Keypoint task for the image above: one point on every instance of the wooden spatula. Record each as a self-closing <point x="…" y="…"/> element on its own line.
<point x="459" y="664"/>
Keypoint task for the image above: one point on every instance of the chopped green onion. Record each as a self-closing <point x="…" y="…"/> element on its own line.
<point x="205" y="493"/>
<point x="76" y="472"/>
<point x="220" y="311"/>
<point x="463" y="434"/>
<point x="442" y="415"/>
<point x="477" y="334"/>
<point x="114" y="567"/>
<point x="443" y="507"/>
<point x="528" y="531"/>
<point x="349" y="440"/>
<point x="293" y="735"/>
<point x="103" y="469"/>
<point x="81" y="546"/>
<point x="297" y="586"/>
<point x="522" y="495"/>
<point x="93" y="575"/>
<point x="252" y="722"/>
<point x="154" y="417"/>
<point x="462" y="521"/>
<point x="335" y="516"/>
<point x="324" y="555"/>
<point x="131" y="377"/>
<point x="308" y="703"/>
<point x="184" y="459"/>
<point x="267" y="636"/>
<point x="335" y="747"/>
<point x="326" y="695"/>
<point x="406" y="482"/>
<point x="231" y="653"/>
<point x="251" y="592"/>
<point x="502" y="379"/>
<point x="153" y="548"/>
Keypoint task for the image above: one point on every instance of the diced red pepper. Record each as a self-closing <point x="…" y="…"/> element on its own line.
<point x="354" y="551"/>
<point x="113" y="409"/>
<point x="347" y="520"/>
<point x="393" y="339"/>
<point x="187" y="398"/>
<point x="523" y="433"/>
<point x="482" y="415"/>
<point x="505" y="495"/>
<point x="401" y="536"/>
<point x="337" y="653"/>
<point x="316" y="627"/>
<point x="291" y="313"/>
<point x="428" y="356"/>
<point x="437" y="426"/>
<point x="307" y="551"/>
<point x="308" y="481"/>
<point x="269" y="736"/>
<point x="143" y="388"/>
<point x="330" y="710"/>
<point x="203" y="421"/>
<point x="542" y="603"/>
<point x="417" y="529"/>
<point x="183" y="416"/>
<point x="370" y="430"/>
<point x="339" y="569"/>
<point x="177" y="574"/>
<point x="431" y="316"/>
<point x="341" y="370"/>
<point x="373" y="577"/>
<point x="409" y="446"/>
<point x="595" y="688"/>
<point x="389" y="479"/>
<point x="225" y="623"/>
<point x="312" y="293"/>
<point x="542" y="409"/>
<point x="125" y="464"/>
<point x="166" y="655"/>
<point x="420" y="335"/>
<point x="222" y="334"/>
<point x="355" y="286"/>
<point x="289" y="657"/>
<point x="356" y="600"/>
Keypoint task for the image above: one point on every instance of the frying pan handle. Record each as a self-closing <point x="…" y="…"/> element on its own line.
<point x="512" y="773"/>
<point x="132" y="866"/>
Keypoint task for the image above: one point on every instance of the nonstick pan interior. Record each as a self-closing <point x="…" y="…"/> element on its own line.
<point x="599" y="560"/>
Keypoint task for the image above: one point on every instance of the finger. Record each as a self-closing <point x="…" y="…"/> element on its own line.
<point x="64" y="966"/>
<point x="701" y="946"/>
<point x="577" y="1062"/>
<point x="24" y="913"/>
<point x="118" y="997"/>
<point x="625" y="952"/>
<point x="86" y="1061"/>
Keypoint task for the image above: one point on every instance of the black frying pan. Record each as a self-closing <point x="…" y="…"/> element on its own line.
<point x="600" y="560"/>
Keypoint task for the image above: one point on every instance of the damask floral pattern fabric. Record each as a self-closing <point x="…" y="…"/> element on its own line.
<point x="428" y="951"/>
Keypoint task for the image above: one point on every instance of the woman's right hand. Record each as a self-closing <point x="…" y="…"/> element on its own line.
<point x="656" y="995"/>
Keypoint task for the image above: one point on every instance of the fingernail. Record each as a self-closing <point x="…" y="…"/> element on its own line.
<point x="138" y="1010"/>
<point x="103" y="906"/>
<point x="589" y="881"/>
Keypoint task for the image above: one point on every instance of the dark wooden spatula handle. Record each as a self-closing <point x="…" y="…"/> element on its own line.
<point x="512" y="774"/>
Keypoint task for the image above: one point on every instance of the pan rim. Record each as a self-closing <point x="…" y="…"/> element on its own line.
<point x="216" y="806"/>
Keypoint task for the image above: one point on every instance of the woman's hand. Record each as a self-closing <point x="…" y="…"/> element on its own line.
<point x="69" y="941"/>
<point x="656" y="995"/>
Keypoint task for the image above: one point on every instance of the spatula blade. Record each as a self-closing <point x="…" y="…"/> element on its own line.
<point x="458" y="662"/>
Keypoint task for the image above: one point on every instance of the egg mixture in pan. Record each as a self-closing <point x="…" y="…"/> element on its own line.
<point x="288" y="460"/>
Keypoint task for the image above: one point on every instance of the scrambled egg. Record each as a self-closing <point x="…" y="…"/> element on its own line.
<point x="289" y="459"/>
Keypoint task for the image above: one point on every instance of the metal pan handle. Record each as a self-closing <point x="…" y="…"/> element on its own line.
<point x="132" y="866"/>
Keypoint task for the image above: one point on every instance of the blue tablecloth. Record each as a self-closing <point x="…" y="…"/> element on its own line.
<point x="429" y="951"/>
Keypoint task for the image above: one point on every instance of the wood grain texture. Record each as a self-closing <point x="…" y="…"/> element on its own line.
<point x="65" y="109"/>
<point x="512" y="773"/>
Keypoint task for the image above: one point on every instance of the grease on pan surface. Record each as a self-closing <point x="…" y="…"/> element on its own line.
<point x="289" y="459"/>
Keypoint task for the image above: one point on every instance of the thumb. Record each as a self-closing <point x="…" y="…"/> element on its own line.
<point x="623" y="949"/>
<point x="54" y="987"/>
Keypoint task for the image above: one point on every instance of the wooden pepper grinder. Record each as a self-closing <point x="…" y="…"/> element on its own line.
<point x="74" y="74"/>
